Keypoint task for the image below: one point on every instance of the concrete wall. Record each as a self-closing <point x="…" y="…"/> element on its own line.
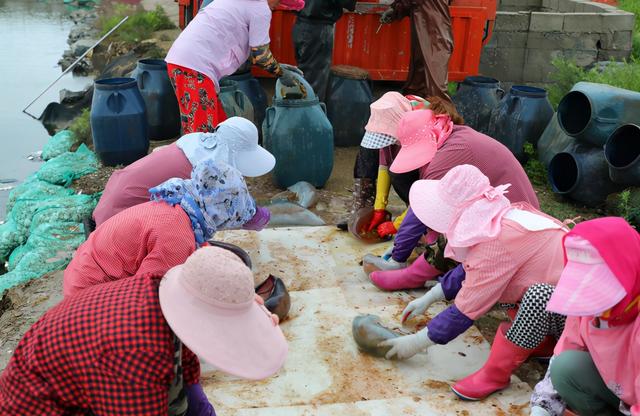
<point x="529" y="34"/>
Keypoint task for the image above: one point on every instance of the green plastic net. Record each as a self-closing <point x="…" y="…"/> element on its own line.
<point x="28" y="214"/>
<point x="34" y="188"/>
<point x="50" y="247"/>
<point x="58" y="144"/>
<point x="63" y="169"/>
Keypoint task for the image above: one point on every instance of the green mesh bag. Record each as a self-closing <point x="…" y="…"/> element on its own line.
<point x="58" y="144"/>
<point x="62" y="170"/>
<point x="33" y="188"/>
<point x="50" y="247"/>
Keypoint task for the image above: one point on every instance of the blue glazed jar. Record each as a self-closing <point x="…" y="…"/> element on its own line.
<point x="163" y="114"/>
<point x="119" y="121"/>
<point x="521" y="116"/>
<point x="298" y="133"/>
<point x="475" y="99"/>
<point x="349" y="99"/>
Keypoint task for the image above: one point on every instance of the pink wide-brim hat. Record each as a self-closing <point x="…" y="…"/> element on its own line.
<point x="587" y="286"/>
<point x="462" y="205"/>
<point x="209" y="303"/>
<point x="386" y="113"/>
<point x="420" y="134"/>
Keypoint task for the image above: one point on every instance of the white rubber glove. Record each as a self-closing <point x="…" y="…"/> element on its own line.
<point x="539" y="411"/>
<point x="381" y="264"/>
<point x="407" y="346"/>
<point x="419" y="306"/>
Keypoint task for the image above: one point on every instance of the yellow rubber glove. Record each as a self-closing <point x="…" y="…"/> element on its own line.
<point x="382" y="188"/>
<point x="399" y="219"/>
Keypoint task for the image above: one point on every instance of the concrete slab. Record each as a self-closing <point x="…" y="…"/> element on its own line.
<point x="325" y="374"/>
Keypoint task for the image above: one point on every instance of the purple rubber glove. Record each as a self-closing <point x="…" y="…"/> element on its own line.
<point x="452" y="282"/>
<point x="198" y="403"/>
<point x="409" y="234"/>
<point x="259" y="220"/>
<point x="448" y="324"/>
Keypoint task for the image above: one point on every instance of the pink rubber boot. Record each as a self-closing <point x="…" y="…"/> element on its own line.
<point x="495" y="375"/>
<point x="411" y="277"/>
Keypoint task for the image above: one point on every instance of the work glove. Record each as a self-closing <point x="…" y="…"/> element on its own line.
<point x="287" y="79"/>
<point x="387" y="16"/>
<point x="198" y="403"/>
<point x="292" y="68"/>
<point x="383" y="264"/>
<point x="387" y="229"/>
<point x="379" y="217"/>
<point x="419" y="306"/>
<point x="259" y="220"/>
<point x="539" y="411"/>
<point x="407" y="346"/>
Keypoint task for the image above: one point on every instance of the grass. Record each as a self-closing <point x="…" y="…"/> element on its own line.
<point x="141" y="23"/>
<point x="633" y="6"/>
<point x="623" y="75"/>
<point x="81" y="127"/>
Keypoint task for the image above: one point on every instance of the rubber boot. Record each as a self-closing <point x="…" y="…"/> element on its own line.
<point x="505" y="357"/>
<point x="364" y="194"/>
<point x="412" y="277"/>
<point x="542" y="352"/>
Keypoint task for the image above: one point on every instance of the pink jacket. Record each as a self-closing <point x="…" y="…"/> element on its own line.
<point x="501" y="270"/>
<point x="149" y="238"/>
<point x="615" y="352"/>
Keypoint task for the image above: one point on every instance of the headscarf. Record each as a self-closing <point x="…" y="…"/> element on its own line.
<point x="215" y="198"/>
<point x="619" y="246"/>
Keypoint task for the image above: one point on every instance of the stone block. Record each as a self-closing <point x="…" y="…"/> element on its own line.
<point x="583" y="22"/>
<point x="550" y="4"/>
<point x="555" y="40"/>
<point x="510" y="39"/>
<point x="599" y="7"/>
<point x="512" y="21"/>
<point x="618" y="21"/>
<point x="537" y="74"/>
<point x="546" y="22"/>
<point x="613" y="55"/>
<point x="541" y="57"/>
<point x="505" y="64"/>
<point x="616" y="40"/>
<point x="566" y="6"/>
<point x="582" y="58"/>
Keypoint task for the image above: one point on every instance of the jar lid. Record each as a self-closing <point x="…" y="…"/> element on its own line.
<point x="350" y="72"/>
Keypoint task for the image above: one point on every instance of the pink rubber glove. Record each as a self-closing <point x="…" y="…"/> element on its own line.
<point x="259" y="220"/>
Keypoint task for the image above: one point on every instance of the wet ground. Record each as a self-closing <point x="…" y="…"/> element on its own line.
<point x="34" y="36"/>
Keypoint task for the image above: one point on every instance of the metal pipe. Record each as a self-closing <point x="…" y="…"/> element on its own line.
<point x="66" y="71"/>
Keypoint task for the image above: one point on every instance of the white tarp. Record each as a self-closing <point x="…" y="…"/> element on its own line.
<point x="325" y="374"/>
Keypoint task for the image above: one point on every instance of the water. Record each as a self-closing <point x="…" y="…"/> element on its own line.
<point x="33" y="36"/>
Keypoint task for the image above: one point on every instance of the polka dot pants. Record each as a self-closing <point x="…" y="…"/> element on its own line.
<point x="532" y="322"/>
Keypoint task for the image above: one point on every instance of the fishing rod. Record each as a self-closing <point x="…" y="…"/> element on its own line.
<point x="66" y="71"/>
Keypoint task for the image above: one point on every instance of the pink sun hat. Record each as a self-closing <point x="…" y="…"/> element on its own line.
<point x="386" y="113"/>
<point x="587" y="286"/>
<point x="420" y="133"/>
<point x="209" y="303"/>
<point x="462" y="205"/>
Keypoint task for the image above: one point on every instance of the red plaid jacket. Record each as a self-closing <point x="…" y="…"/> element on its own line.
<point x="107" y="350"/>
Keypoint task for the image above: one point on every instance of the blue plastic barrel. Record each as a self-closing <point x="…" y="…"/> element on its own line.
<point x="348" y="99"/>
<point x="163" y="114"/>
<point x="234" y="101"/>
<point x="298" y="133"/>
<point x="118" y="121"/>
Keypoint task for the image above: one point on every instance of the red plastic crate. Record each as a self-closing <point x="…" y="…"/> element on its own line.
<point x="385" y="54"/>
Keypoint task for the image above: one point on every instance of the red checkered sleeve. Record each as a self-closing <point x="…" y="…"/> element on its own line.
<point x="190" y="367"/>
